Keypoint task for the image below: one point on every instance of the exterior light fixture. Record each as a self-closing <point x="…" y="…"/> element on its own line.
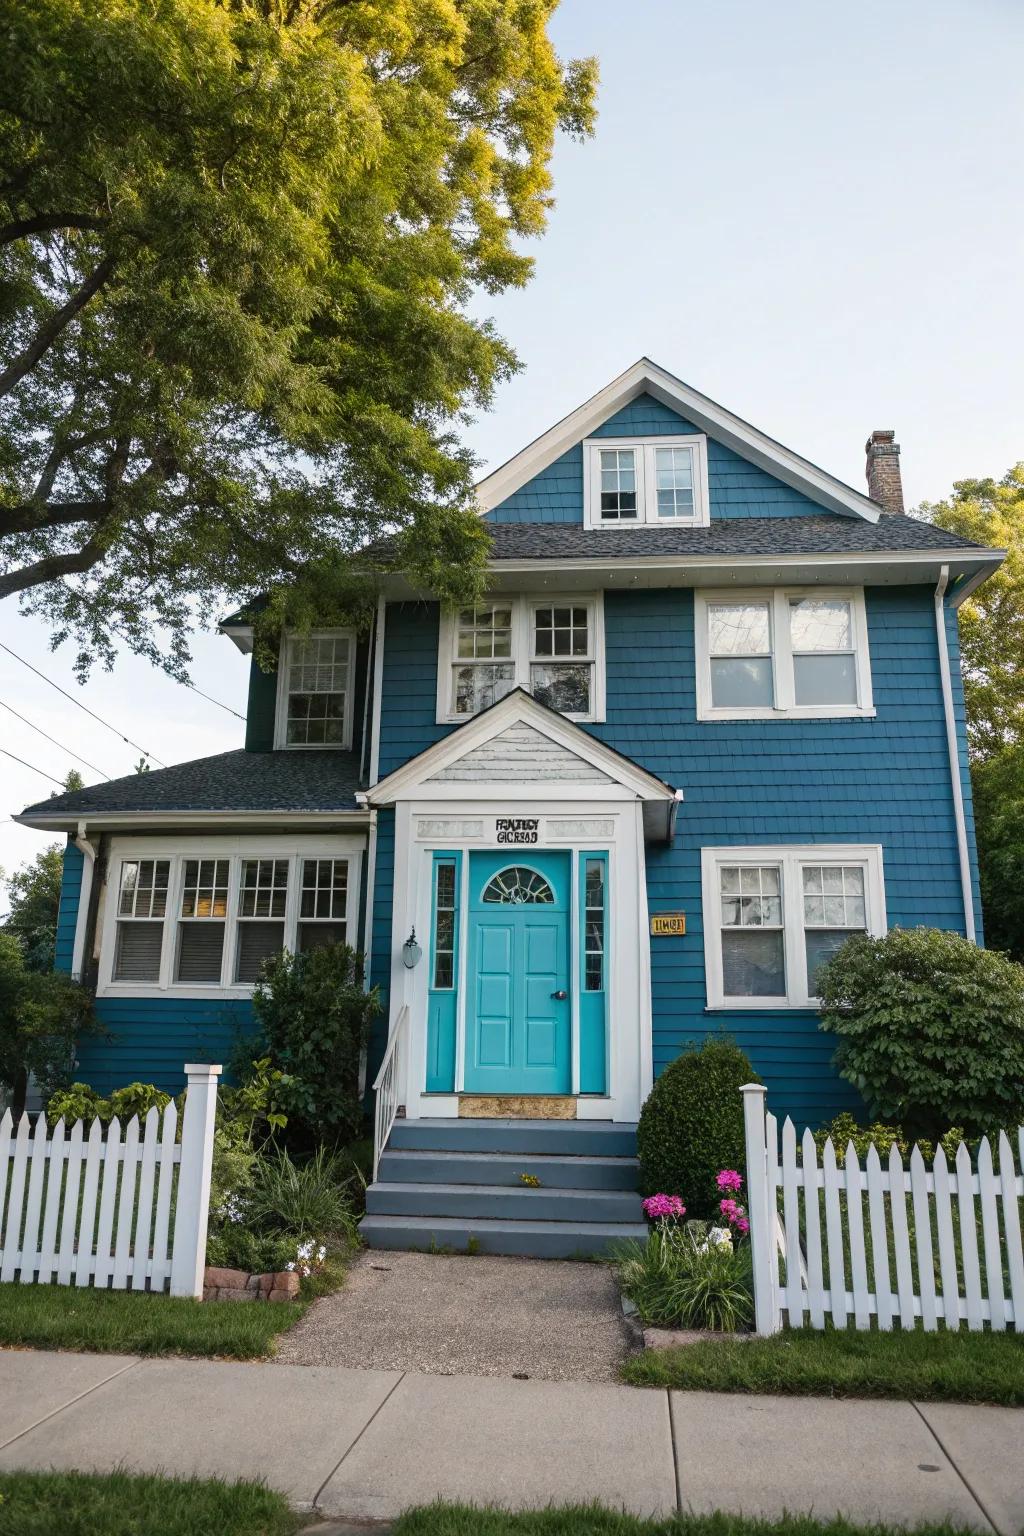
<point x="411" y="952"/>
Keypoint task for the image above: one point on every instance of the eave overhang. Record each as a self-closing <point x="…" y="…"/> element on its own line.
<point x="193" y="821"/>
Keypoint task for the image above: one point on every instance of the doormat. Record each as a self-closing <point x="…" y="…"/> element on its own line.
<point x="516" y="1106"/>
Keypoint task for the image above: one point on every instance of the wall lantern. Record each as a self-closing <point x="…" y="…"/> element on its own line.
<point x="411" y="952"/>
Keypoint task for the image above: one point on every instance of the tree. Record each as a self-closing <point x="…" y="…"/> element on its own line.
<point x="992" y="620"/>
<point x="237" y="245"/>
<point x="41" y="1017"/>
<point x="998" y="784"/>
<point x="34" y="894"/>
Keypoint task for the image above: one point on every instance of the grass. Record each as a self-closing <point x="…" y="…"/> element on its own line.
<point x="118" y="1504"/>
<point x="135" y="1323"/>
<point x="592" y="1520"/>
<point x="959" y="1367"/>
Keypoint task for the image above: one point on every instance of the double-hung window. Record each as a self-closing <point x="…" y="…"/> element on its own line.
<point x="628" y="481"/>
<point x="774" y="916"/>
<point x="141" y="910"/>
<point x="314" y="693"/>
<point x="775" y="653"/>
<point x="552" y="647"/>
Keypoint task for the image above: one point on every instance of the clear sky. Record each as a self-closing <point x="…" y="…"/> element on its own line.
<point x="810" y="211"/>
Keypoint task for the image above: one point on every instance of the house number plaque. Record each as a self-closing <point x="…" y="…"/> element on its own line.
<point x="516" y="829"/>
<point x="667" y="925"/>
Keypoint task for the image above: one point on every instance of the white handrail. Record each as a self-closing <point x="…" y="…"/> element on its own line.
<point x="387" y="1086"/>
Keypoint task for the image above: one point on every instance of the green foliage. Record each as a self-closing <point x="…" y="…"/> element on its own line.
<point x="844" y="1129"/>
<point x="678" y="1281"/>
<point x="998" y="784"/>
<point x="34" y="895"/>
<point x="234" y="1245"/>
<point x="239" y="248"/>
<point x="992" y="619"/>
<point x="137" y="1099"/>
<point x="127" y="1504"/>
<point x="78" y="1102"/>
<point x="303" y="1199"/>
<point x="931" y="1030"/>
<point x="41" y="1019"/>
<point x="691" y="1124"/>
<point x="313" y="1018"/>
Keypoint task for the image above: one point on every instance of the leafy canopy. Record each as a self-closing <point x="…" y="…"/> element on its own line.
<point x="34" y="895"/>
<point x="41" y="1017"/>
<point x="998" y="784"/>
<point x="237" y="243"/>
<point x="992" y="620"/>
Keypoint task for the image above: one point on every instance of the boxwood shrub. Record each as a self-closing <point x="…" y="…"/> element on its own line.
<point x="691" y="1125"/>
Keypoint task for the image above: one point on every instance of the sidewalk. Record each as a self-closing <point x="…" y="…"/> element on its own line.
<point x="367" y="1444"/>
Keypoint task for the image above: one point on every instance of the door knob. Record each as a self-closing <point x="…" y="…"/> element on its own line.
<point x="561" y="995"/>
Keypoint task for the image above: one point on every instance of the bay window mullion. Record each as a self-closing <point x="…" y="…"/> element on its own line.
<point x="783" y="651"/>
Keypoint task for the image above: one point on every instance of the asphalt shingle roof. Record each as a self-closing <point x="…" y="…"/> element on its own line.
<point x="230" y="781"/>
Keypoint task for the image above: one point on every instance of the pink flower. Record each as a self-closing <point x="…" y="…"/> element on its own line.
<point x="729" y="1179"/>
<point x="743" y="1225"/>
<point x="735" y="1215"/>
<point x="658" y="1207"/>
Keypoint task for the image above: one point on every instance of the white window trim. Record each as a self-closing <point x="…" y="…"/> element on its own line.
<point x="281" y="703"/>
<point x="784" y="707"/>
<point x="790" y="859"/>
<point x="646" y="482"/>
<point x="179" y="849"/>
<point x="523" y="606"/>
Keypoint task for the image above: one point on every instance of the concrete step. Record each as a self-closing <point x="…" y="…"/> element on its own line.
<point x="401" y="1166"/>
<point x="495" y="1202"/>
<point x="527" y="1239"/>
<point x="542" y="1138"/>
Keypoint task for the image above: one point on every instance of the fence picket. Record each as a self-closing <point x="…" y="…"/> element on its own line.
<point x="15" y="1202"/>
<point x="69" y="1219"/>
<point x="791" y="1213"/>
<point x="947" y="1252"/>
<point x="855" y="1225"/>
<point x="1011" y="1227"/>
<point x="990" y="1238"/>
<point x="879" y="1240"/>
<point x="901" y="1237"/>
<point x="6" y="1128"/>
<point x="144" y="1220"/>
<point x="126" y="1205"/>
<point x="969" y="1238"/>
<point x="160" y="1269"/>
<point x="47" y="1261"/>
<point x="104" y="1262"/>
<point x="834" y="1234"/>
<point x="812" y="1231"/>
<point x="84" y="1268"/>
<point x="34" y="1203"/>
<point x="923" y="1241"/>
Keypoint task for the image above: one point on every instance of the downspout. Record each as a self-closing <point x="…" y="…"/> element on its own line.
<point x="953" y="749"/>
<point x="88" y="852"/>
<point x="371" y="875"/>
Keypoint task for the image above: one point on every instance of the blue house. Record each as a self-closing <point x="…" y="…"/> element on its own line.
<point x="707" y="724"/>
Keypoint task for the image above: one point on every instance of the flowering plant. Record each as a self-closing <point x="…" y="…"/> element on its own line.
<point x="663" y="1208"/>
<point x="730" y="1183"/>
<point x="309" y="1257"/>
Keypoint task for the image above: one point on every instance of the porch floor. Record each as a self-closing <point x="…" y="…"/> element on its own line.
<point x="456" y="1315"/>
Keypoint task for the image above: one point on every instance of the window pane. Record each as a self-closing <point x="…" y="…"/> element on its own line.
<point x="751" y="897"/>
<point x="485" y="633"/>
<point x="200" y="951"/>
<point x="561" y="632"/>
<point x="444" y="924"/>
<point x="256" y="943"/>
<point x="739" y="629"/>
<point x="204" y="891"/>
<point x="822" y="944"/>
<point x="144" y="887"/>
<point x="137" y="951"/>
<point x="318" y="675"/>
<point x="742" y="683"/>
<point x="324" y="891"/>
<point x="594" y="926"/>
<point x="566" y="688"/>
<point x="753" y="963"/>
<point x="674" y="480"/>
<point x="821" y="624"/>
<point x="618" y="484"/>
<point x="318" y="935"/>
<point x="825" y="679"/>
<point x="264" y="888"/>
<point x="479" y="687"/>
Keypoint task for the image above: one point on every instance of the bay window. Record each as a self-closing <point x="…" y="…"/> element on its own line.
<point x="772" y="654"/>
<point x="629" y="481"/>
<point x="774" y="916"/>
<point x="552" y="647"/>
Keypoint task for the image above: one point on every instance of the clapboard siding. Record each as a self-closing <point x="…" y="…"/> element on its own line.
<point x="519" y="752"/>
<point x="736" y="487"/>
<point x="67" y="911"/>
<point x="150" y="1039"/>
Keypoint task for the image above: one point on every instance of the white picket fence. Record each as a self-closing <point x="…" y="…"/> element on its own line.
<point x="847" y="1270"/>
<point x="101" y="1209"/>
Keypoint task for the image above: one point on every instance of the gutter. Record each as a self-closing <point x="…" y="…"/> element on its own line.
<point x="953" y="749"/>
<point x="132" y="821"/>
<point x="88" y="851"/>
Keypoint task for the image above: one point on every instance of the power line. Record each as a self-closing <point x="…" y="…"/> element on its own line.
<point x="80" y="705"/>
<point x="33" y="767"/>
<point x="56" y="743"/>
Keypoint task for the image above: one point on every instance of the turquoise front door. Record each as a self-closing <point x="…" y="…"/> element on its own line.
<point x="518" y="1015"/>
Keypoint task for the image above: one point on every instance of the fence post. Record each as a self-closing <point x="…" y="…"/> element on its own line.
<point x="192" y="1209"/>
<point x="761" y="1212"/>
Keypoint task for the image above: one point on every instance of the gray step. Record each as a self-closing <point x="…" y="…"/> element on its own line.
<point x="582" y="1138"/>
<point x="565" y="1172"/>
<point x="492" y="1202"/>
<point x="527" y="1239"/>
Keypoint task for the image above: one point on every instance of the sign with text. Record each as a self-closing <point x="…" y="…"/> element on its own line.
<point x="668" y="925"/>
<point x="516" y="829"/>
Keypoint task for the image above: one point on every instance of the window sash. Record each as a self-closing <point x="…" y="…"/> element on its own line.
<point x="325" y="681"/>
<point x="468" y="684"/>
<point x="660" y="465"/>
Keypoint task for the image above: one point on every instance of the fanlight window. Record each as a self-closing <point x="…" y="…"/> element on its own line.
<point x="519" y="887"/>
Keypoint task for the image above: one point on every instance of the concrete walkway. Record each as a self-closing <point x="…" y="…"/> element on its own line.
<point x="367" y="1444"/>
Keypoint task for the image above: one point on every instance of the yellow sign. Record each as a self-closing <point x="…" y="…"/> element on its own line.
<point x="668" y="925"/>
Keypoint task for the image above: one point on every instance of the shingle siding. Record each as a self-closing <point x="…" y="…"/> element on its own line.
<point x="67" y="911"/>
<point x="151" y="1038"/>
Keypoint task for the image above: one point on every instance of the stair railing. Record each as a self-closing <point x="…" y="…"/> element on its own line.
<point x="387" y="1085"/>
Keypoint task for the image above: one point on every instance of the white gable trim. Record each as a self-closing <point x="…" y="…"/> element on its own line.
<point x="645" y="377"/>
<point x="419" y="773"/>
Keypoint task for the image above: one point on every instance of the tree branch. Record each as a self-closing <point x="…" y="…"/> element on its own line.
<point x="30" y="516"/>
<point x="51" y="567"/>
<point x="43" y="223"/>
<point x="27" y="359"/>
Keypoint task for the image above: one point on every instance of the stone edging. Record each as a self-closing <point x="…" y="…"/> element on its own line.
<point x="238" y="1285"/>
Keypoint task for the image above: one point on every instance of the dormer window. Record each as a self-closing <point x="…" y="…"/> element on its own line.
<point x="314" y="693"/>
<point x="628" y="481"/>
<point x="551" y="646"/>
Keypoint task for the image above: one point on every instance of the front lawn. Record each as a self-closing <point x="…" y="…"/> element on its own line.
<point x="136" y="1323"/>
<point x="956" y="1367"/>
<point x="592" y="1520"/>
<point x="118" y="1504"/>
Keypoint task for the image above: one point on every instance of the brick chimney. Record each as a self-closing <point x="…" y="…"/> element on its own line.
<point x="883" y="471"/>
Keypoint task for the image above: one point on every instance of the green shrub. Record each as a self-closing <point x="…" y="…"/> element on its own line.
<point x="679" y="1280"/>
<point x="78" y="1102"/>
<point x="233" y="1245"/>
<point x="691" y="1125"/>
<point x="844" y="1129"/>
<point x="302" y="1199"/>
<point x="931" y="1030"/>
<point x="137" y="1099"/>
<point x="313" y="1018"/>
